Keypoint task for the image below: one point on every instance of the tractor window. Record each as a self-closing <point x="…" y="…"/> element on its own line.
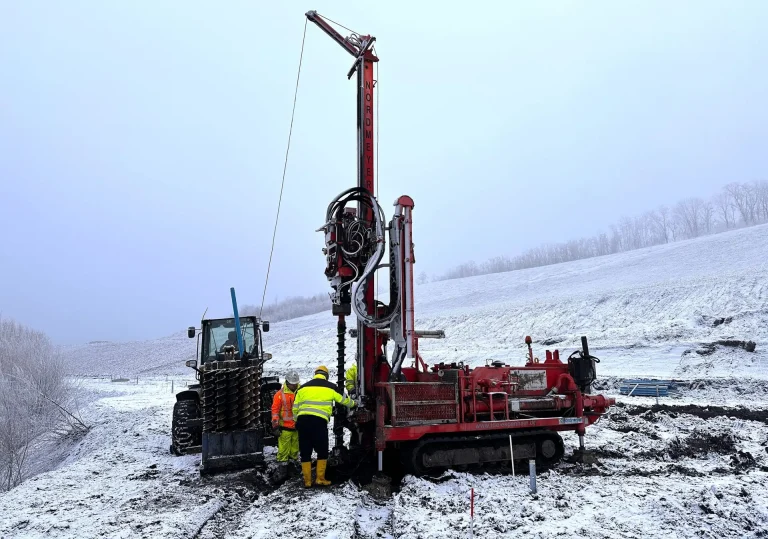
<point x="222" y="333"/>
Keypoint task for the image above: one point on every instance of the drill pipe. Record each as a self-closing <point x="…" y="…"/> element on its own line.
<point x="341" y="412"/>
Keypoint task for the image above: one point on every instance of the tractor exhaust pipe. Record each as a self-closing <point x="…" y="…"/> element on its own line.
<point x="238" y="329"/>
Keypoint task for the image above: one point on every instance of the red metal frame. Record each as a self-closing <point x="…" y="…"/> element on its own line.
<point x="557" y="395"/>
<point x="546" y="389"/>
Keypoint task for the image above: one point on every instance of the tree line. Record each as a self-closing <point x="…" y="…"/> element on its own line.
<point x="292" y="307"/>
<point x="736" y="205"/>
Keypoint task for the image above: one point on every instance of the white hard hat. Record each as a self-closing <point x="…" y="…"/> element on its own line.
<point x="292" y="378"/>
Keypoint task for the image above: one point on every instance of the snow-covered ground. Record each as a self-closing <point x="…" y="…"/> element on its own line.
<point x="697" y="466"/>
<point x="663" y="473"/>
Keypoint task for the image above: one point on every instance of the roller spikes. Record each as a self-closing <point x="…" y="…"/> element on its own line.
<point x="244" y="394"/>
<point x="233" y="390"/>
<point x="255" y="383"/>
<point x="249" y="399"/>
<point x="221" y="400"/>
<point x="209" y="401"/>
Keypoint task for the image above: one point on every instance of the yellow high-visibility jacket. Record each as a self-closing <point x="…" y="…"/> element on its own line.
<point x="316" y="397"/>
<point x="350" y="378"/>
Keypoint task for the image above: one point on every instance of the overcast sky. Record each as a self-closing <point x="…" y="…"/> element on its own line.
<point x="142" y="143"/>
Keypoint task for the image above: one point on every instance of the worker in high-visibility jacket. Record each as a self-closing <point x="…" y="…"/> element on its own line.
<point x="312" y="408"/>
<point x="350" y="381"/>
<point x="284" y="424"/>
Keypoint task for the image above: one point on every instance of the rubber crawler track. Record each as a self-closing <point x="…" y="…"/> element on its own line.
<point x="414" y="458"/>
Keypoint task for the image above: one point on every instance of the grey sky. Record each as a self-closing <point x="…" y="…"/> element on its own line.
<point x="141" y="143"/>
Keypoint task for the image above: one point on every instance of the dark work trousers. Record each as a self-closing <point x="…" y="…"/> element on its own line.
<point x="313" y="434"/>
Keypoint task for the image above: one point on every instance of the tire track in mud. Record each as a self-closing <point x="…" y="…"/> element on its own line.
<point x="702" y="412"/>
<point x="224" y="521"/>
<point x="236" y="492"/>
<point x="696" y="440"/>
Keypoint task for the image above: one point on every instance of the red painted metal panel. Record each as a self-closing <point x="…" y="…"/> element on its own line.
<point x="410" y="433"/>
<point x="371" y="345"/>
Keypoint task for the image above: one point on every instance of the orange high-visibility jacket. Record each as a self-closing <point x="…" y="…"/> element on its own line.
<point x="282" y="408"/>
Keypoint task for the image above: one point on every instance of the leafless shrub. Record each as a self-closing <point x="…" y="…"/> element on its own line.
<point x="36" y="399"/>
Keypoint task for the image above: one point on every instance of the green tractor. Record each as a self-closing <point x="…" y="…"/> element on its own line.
<point x="226" y="416"/>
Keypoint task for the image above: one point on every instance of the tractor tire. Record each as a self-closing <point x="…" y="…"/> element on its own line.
<point x="268" y="387"/>
<point x="182" y="435"/>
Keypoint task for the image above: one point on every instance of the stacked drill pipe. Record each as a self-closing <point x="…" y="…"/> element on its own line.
<point x="231" y="395"/>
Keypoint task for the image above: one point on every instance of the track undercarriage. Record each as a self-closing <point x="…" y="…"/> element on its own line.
<point x="492" y="450"/>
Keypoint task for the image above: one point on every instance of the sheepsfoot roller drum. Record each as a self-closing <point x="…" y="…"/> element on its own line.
<point x="225" y="417"/>
<point x="231" y="437"/>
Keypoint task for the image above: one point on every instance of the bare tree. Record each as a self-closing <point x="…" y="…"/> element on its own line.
<point x="688" y="214"/>
<point x="761" y="195"/>
<point x="707" y="217"/>
<point x="603" y="245"/>
<point x="662" y="224"/>
<point x="423" y="279"/>
<point x="626" y="233"/>
<point x="725" y="209"/>
<point x="645" y="229"/>
<point x="745" y="199"/>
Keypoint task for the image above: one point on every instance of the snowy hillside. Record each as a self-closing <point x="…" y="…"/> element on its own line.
<point x="656" y="311"/>
<point x="696" y="465"/>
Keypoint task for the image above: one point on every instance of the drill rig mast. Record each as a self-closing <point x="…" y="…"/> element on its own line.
<point x="447" y="415"/>
<point x="340" y="274"/>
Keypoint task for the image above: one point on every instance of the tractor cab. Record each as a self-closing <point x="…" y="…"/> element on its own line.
<point x="217" y="340"/>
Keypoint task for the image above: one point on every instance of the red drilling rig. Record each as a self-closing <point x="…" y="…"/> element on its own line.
<point x="447" y="415"/>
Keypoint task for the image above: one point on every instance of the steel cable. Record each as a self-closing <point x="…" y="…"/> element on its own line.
<point x="285" y="168"/>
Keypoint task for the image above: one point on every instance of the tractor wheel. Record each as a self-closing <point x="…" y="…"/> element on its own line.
<point x="182" y="435"/>
<point x="269" y="386"/>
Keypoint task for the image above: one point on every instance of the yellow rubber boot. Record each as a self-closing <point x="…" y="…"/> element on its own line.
<point x="306" y="471"/>
<point x="321" y="480"/>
